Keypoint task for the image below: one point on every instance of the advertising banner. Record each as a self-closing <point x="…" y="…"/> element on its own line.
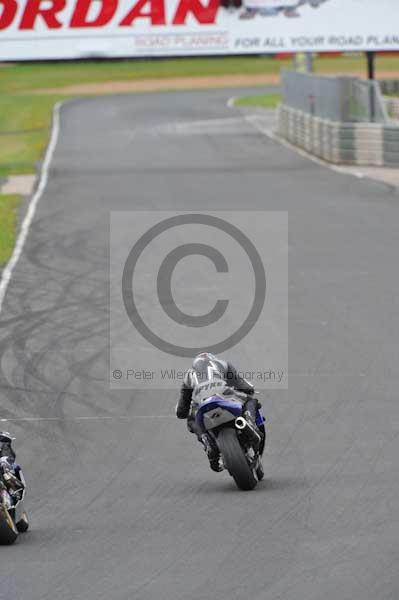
<point x="56" y="29"/>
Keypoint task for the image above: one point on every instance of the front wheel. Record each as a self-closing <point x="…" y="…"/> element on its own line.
<point x="23" y="523"/>
<point x="8" y="531"/>
<point x="235" y="461"/>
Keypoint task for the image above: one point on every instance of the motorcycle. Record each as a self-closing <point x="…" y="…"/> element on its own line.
<point x="219" y="413"/>
<point x="13" y="516"/>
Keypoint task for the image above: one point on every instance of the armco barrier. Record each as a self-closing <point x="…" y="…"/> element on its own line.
<point x="392" y="105"/>
<point x="344" y="99"/>
<point x="389" y="86"/>
<point x="340" y="143"/>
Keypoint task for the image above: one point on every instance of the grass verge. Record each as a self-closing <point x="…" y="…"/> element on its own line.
<point x="24" y="127"/>
<point x="264" y="100"/>
<point x="34" y="76"/>
<point x="28" y="77"/>
<point x="8" y="226"/>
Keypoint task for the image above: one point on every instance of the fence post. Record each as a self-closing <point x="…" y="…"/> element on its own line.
<point x="371" y="74"/>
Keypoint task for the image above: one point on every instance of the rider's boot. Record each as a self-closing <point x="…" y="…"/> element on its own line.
<point x="212" y="452"/>
<point x="259" y="430"/>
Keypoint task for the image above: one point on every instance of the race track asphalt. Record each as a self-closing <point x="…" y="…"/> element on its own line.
<point x="122" y="503"/>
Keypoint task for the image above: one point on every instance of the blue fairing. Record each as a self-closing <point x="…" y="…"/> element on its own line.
<point x="213" y="402"/>
<point x="260" y="419"/>
<point x="232" y="406"/>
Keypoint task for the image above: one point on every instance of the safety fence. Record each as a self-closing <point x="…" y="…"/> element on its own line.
<point x="392" y="106"/>
<point x="340" y="99"/>
<point x="389" y="86"/>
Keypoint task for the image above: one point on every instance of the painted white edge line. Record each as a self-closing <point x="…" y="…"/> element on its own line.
<point x="270" y="134"/>
<point x="26" y="223"/>
<point x="122" y="418"/>
<point x="231" y="101"/>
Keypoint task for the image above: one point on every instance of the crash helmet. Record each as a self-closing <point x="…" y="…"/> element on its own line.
<point x="5" y="437"/>
<point x="205" y="367"/>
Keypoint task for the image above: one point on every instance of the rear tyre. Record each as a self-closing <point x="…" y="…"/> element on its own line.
<point x="235" y="461"/>
<point x="8" y="531"/>
<point x="23" y="524"/>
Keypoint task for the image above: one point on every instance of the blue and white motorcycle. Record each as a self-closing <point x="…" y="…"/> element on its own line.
<point x="219" y="412"/>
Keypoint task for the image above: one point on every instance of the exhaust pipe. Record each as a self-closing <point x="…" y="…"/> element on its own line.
<point x="248" y="431"/>
<point x="241" y="423"/>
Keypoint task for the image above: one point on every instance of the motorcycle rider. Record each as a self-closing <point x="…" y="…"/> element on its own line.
<point x="11" y="471"/>
<point x="207" y="367"/>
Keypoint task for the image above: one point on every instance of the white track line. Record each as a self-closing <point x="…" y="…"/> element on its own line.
<point x="231" y="101"/>
<point x="26" y="223"/>
<point x="122" y="418"/>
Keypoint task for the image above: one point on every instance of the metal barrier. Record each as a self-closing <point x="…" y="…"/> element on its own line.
<point x="343" y="99"/>
<point x="392" y="105"/>
<point x="389" y="86"/>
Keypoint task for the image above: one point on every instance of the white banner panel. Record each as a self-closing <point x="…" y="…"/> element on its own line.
<point x="55" y="29"/>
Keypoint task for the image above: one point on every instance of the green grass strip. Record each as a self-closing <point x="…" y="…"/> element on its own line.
<point x="24" y="77"/>
<point x="8" y="226"/>
<point x="24" y="130"/>
<point x="264" y="100"/>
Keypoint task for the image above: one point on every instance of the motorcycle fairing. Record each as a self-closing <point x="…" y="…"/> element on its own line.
<point x="260" y="419"/>
<point x="216" y="411"/>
